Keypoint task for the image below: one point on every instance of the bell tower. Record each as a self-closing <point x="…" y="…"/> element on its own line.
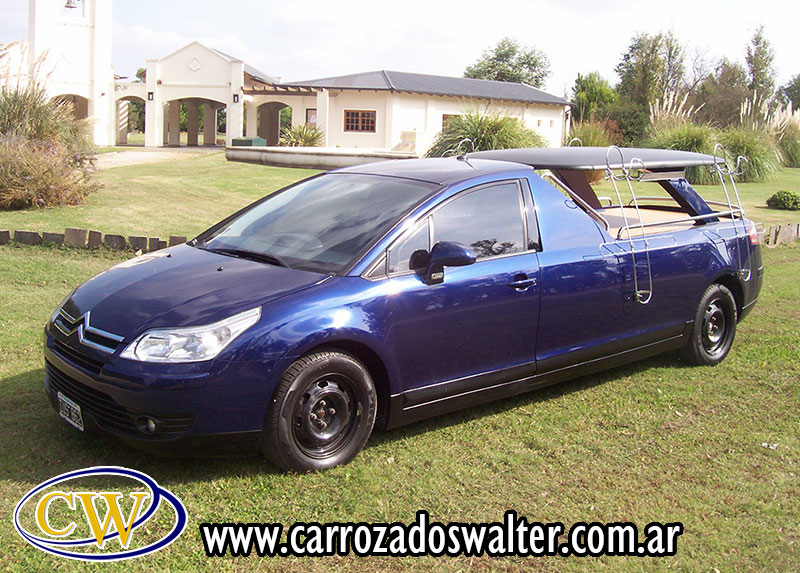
<point x="75" y="35"/>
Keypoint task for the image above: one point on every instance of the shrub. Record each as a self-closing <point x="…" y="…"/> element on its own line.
<point x="788" y="200"/>
<point x="687" y="136"/>
<point x="595" y="133"/>
<point x="485" y="131"/>
<point x="789" y="145"/>
<point x="36" y="174"/>
<point x="27" y="113"/>
<point x="758" y="147"/>
<point x="303" y="135"/>
<point x="46" y="155"/>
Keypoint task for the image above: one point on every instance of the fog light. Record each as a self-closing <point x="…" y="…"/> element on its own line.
<point x="147" y="425"/>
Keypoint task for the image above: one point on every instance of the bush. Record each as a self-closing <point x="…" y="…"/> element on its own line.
<point x="788" y="200"/>
<point x="698" y="138"/>
<point x="39" y="175"/>
<point x="789" y="145"/>
<point x="303" y="135"/>
<point x="27" y="113"/>
<point x="758" y="147"/>
<point x="595" y="133"/>
<point x="46" y="155"/>
<point x="485" y="131"/>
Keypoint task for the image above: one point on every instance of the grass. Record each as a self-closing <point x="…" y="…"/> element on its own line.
<point x="650" y="441"/>
<point x="180" y="197"/>
<point x="188" y="195"/>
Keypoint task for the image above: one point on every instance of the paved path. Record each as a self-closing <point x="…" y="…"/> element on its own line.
<point x="152" y="155"/>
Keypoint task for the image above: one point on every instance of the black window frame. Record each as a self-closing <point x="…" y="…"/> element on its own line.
<point x="379" y="269"/>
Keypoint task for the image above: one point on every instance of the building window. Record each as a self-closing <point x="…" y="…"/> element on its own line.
<point x="311" y="116"/>
<point x="359" y="120"/>
<point x="446" y="117"/>
<point x="539" y="123"/>
<point x="552" y="123"/>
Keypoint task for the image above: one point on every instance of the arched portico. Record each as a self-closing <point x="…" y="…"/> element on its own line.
<point x="264" y="120"/>
<point x="192" y="115"/>
<point x="130" y="117"/>
<point x="80" y="105"/>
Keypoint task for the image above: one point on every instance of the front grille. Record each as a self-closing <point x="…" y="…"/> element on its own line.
<point x="70" y="355"/>
<point x="110" y="415"/>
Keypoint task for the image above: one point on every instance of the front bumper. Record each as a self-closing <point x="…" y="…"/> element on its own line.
<point x="220" y="412"/>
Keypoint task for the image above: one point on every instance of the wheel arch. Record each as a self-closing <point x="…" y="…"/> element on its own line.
<point x="374" y="365"/>
<point x="733" y="284"/>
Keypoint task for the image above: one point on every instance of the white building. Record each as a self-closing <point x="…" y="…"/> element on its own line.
<point x="76" y="44"/>
<point x="382" y="110"/>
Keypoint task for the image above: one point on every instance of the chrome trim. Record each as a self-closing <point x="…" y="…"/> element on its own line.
<point x="83" y="325"/>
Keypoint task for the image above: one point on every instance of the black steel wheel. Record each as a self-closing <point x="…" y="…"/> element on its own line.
<point x="322" y="413"/>
<point x="714" y="327"/>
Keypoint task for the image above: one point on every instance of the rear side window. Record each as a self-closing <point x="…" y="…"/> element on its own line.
<point x="488" y="220"/>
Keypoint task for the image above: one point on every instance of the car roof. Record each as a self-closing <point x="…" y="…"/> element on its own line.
<point x="598" y="158"/>
<point x="439" y="171"/>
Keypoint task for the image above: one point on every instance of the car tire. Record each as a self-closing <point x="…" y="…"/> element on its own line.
<point x="714" y="328"/>
<point x="321" y="413"/>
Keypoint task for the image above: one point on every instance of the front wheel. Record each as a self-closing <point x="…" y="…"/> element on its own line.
<point x="714" y="328"/>
<point x="321" y="414"/>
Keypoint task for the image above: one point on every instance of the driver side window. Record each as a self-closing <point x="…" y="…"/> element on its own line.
<point x="487" y="220"/>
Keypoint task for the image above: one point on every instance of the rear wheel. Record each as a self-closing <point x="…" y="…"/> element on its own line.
<point x="714" y="327"/>
<point x="322" y="413"/>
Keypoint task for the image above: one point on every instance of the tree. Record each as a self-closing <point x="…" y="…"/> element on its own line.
<point x="508" y="61"/>
<point x="652" y="66"/>
<point x="592" y="96"/>
<point x="672" y="78"/>
<point x="722" y="93"/>
<point x="791" y="92"/>
<point x="760" y="60"/>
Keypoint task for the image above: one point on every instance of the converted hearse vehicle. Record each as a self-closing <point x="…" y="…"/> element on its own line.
<point x="390" y="292"/>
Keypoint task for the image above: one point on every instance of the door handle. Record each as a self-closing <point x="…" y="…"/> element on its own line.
<point x="522" y="282"/>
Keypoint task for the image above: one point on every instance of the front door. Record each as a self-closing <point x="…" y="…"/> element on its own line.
<point x="483" y="318"/>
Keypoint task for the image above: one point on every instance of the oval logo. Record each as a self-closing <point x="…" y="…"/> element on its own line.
<point x="79" y="515"/>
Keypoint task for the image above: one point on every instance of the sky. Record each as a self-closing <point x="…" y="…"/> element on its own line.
<point x="306" y="39"/>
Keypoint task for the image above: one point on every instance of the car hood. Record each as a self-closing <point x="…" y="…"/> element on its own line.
<point x="180" y="286"/>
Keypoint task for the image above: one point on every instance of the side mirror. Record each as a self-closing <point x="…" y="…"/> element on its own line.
<point x="444" y="254"/>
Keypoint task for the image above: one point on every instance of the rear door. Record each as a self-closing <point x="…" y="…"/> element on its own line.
<point x="482" y="319"/>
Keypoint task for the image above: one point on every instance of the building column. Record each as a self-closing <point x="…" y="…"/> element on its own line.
<point x="154" y="121"/>
<point x="323" y="112"/>
<point x="263" y="122"/>
<point x="233" y="121"/>
<point x="122" y="122"/>
<point x="251" y="110"/>
<point x="192" y="124"/>
<point x="209" y="124"/>
<point x="174" y="139"/>
<point x="165" y="115"/>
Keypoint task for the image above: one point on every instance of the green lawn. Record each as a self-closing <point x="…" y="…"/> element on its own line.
<point x="188" y="195"/>
<point x="180" y="197"/>
<point x="653" y="441"/>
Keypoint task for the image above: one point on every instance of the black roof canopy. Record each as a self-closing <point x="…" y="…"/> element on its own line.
<point x="598" y="158"/>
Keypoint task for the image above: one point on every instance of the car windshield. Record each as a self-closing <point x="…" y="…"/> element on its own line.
<point x="322" y="224"/>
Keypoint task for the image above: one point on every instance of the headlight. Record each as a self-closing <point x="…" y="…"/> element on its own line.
<point x="192" y="344"/>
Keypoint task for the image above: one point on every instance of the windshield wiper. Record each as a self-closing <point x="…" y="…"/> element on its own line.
<point x="252" y="256"/>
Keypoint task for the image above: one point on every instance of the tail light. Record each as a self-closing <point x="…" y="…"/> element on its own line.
<point x="752" y="232"/>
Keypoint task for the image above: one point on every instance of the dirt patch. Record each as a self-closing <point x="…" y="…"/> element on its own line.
<point x="139" y="156"/>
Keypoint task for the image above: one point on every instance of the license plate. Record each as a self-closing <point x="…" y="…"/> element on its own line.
<point x="70" y="411"/>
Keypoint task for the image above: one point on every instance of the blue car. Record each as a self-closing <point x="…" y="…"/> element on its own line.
<point x="390" y="292"/>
